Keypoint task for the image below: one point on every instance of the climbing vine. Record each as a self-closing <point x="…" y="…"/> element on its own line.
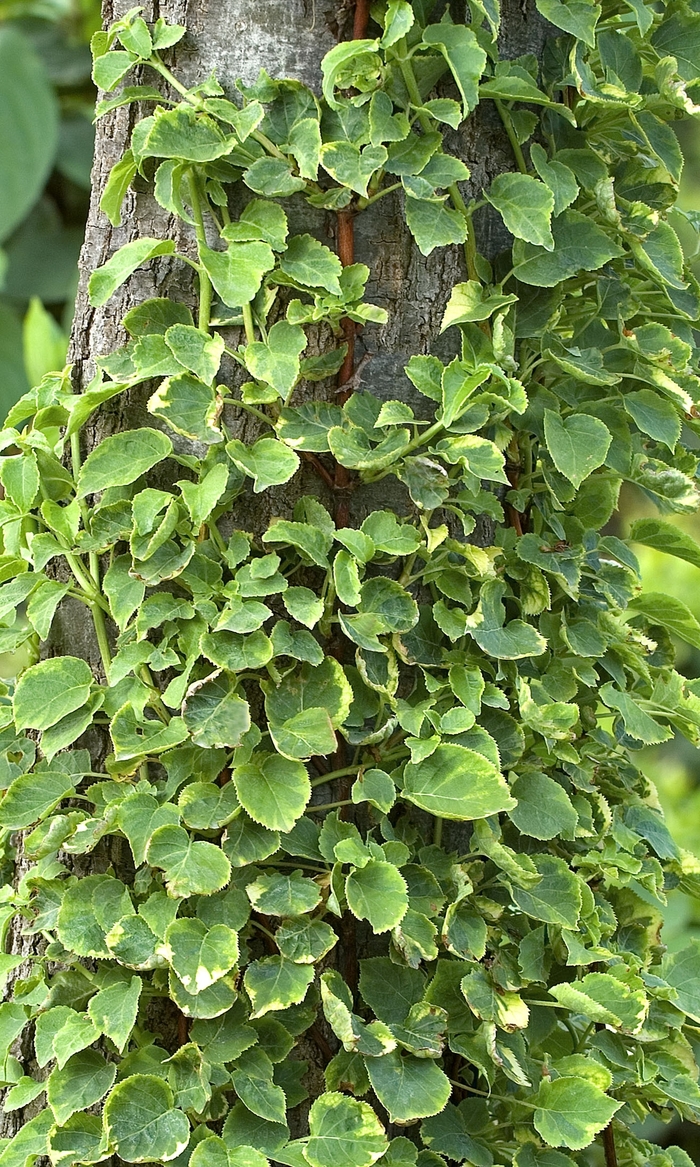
<point x="322" y="734"/>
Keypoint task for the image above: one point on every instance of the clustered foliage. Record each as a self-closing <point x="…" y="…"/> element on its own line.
<point x="517" y="999"/>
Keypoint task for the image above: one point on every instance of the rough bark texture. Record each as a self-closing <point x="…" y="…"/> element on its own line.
<point x="288" y="38"/>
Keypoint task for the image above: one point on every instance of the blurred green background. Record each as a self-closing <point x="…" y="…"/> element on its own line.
<point x="46" y="147"/>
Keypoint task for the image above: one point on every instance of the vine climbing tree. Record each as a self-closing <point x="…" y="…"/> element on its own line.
<point x="323" y="834"/>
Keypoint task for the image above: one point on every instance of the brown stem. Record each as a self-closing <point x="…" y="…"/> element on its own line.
<point x="359" y="27"/>
<point x="609" y="1146"/>
<point x="322" y="1043"/>
<point x="514" y="518"/>
<point x="319" y="468"/>
<point x="183" y="1029"/>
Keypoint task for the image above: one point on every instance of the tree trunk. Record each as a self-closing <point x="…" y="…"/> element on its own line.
<point x="237" y="38"/>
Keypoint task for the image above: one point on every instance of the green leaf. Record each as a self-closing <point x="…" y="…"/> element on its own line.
<point x="89" y="909"/>
<point x="268" y="462"/>
<point x="114" y="1010"/>
<point x="661" y="254"/>
<point x="120" y="178"/>
<point x="199" y="955"/>
<point x="82" y="1082"/>
<point x="571" y="1111"/>
<point x="456" y="783"/>
<point x="343" y="1132"/>
<point x="197" y="351"/>
<point x="663" y="536"/>
<point x="259" y="220"/>
<point x="680" y="970"/>
<point x="274" y="983"/>
<point x="679" y="36"/>
<point x="312" y="264"/>
<point x="558" y="177"/>
<point x="305" y="941"/>
<point x="276" y="360"/>
<point x="407" y="1086"/>
<point x="141" y="1121"/>
<point x="214" y="713"/>
<point x="433" y="224"/>
<point x="471" y="302"/>
<point x="49" y="690"/>
<point x="252" y="1081"/>
<point x="32" y="796"/>
<point x="237" y="273"/>
<point x="303" y="605"/>
<point x="604" y="999"/>
<point x="132" y="737"/>
<point x="205" y="806"/>
<point x="105" y="280"/>
<point x="201" y="497"/>
<point x="464" y="55"/>
<point x="189" y="868"/>
<point x="399" y="19"/>
<point x="273" y="178"/>
<point x="579" y="244"/>
<point x="526" y="206"/>
<point x="544" y="808"/>
<point x="670" y="613"/>
<point x="212" y="1151"/>
<point x="350" y="166"/>
<point x="283" y="895"/>
<point x="61" y="1032"/>
<point x="339" y="62"/>
<point x="556" y="899"/>
<point x="273" y="790"/>
<point x="306" y="426"/>
<point x="377" y="892"/>
<point x="183" y="133"/>
<point x="579" y="17"/>
<point x="20" y="478"/>
<point x="448" y="1134"/>
<point x="578" y="444"/>
<point x="28" y="127"/>
<point x="638" y="723"/>
<point x="248" y="842"/>
<point x="479" y="456"/>
<point x="654" y="416"/>
<point x="189" y="407"/>
<point x="121" y="459"/>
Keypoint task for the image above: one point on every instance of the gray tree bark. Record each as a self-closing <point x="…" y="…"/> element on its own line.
<point x="288" y="38"/>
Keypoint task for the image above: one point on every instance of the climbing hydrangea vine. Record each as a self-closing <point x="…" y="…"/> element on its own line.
<point x="321" y="736"/>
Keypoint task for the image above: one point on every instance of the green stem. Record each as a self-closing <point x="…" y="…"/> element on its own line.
<point x="330" y="805"/>
<point x="156" y="63"/>
<point x="98" y="619"/>
<point x="251" y="409"/>
<point x="334" y="774"/>
<point x="493" y="1097"/>
<point x="248" y="323"/>
<point x="409" y="80"/>
<point x="205" y="286"/>
<point x="437" y="832"/>
<point x="507" y="120"/>
<point x="469" y="243"/>
<point x="364" y="203"/>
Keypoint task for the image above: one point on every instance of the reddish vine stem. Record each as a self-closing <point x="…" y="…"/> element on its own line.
<point x="609" y="1146"/>
<point x="359" y="26"/>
